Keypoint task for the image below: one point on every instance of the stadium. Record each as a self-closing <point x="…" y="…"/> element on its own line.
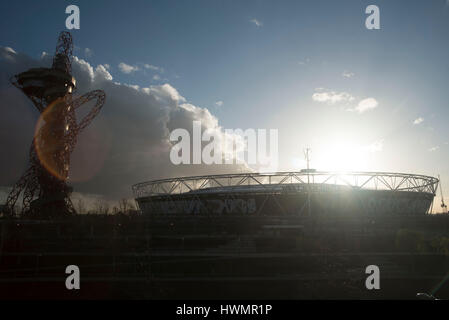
<point x="289" y="194"/>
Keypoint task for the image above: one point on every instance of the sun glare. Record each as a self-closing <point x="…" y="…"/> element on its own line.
<point x="342" y="156"/>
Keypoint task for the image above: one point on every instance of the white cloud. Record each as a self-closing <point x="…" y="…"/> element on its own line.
<point x="107" y="66"/>
<point x="84" y="66"/>
<point x="347" y="74"/>
<point x="219" y="103"/>
<point x="134" y="86"/>
<point x="256" y="22"/>
<point x="366" y="105"/>
<point x="434" y="148"/>
<point x="304" y="62"/>
<point x="164" y="92"/>
<point x="332" y="97"/>
<point x="129" y="138"/>
<point x="9" y="53"/>
<point x="102" y="73"/>
<point x="126" y="68"/>
<point x="156" y="77"/>
<point x="88" y="52"/>
<point x="154" y="68"/>
<point x="418" y="120"/>
<point x="11" y="50"/>
<point x="377" y="146"/>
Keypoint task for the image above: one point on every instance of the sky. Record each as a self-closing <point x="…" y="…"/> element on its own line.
<point x="372" y="100"/>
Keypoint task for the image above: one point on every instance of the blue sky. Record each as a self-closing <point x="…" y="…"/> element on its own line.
<point x="211" y="51"/>
<point x="278" y="64"/>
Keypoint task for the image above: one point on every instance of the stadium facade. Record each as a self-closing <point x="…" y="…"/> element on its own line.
<point x="289" y="193"/>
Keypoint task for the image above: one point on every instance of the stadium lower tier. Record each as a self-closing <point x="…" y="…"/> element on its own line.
<point x="341" y="202"/>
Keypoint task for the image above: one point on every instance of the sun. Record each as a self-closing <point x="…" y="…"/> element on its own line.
<point x="338" y="156"/>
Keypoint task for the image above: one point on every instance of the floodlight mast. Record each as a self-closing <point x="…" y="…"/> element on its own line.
<point x="307" y="156"/>
<point x="443" y="205"/>
<point x="44" y="184"/>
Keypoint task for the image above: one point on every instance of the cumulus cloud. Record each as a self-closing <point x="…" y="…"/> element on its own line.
<point x="331" y="97"/>
<point x="127" y="143"/>
<point x="366" y="105"/>
<point x="347" y="74"/>
<point x="154" y="68"/>
<point x="376" y="146"/>
<point x="126" y="68"/>
<point x="219" y="103"/>
<point x="256" y="22"/>
<point x="418" y="120"/>
<point x="304" y="62"/>
<point x="9" y="54"/>
<point x="10" y="50"/>
<point x="88" y="52"/>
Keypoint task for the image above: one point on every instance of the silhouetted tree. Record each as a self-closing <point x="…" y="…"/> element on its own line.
<point x="80" y="206"/>
<point x="102" y="207"/>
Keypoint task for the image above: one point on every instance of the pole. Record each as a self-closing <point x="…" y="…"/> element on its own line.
<point x="306" y="154"/>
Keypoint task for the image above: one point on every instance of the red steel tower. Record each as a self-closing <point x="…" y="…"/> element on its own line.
<point x="44" y="184"/>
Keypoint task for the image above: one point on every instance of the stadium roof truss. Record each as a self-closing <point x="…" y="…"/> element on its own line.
<point x="230" y="182"/>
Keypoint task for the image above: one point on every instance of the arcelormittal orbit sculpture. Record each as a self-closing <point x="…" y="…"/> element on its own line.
<point x="44" y="184"/>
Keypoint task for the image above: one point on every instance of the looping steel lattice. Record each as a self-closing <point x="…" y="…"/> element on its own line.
<point x="44" y="183"/>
